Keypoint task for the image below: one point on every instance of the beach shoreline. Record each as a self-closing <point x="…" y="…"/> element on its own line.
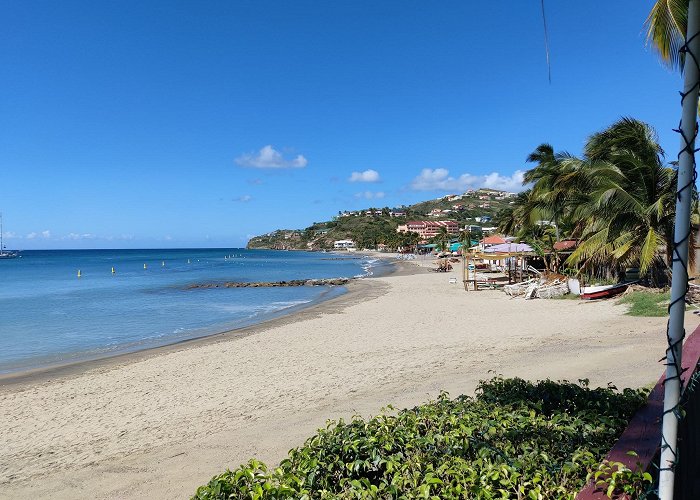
<point x="161" y="423"/>
<point x="356" y="287"/>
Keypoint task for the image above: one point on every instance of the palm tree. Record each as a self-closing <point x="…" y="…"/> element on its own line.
<point x="519" y="218"/>
<point x="618" y="200"/>
<point x="465" y="238"/>
<point x="554" y="187"/>
<point x="413" y="238"/>
<point x="442" y="239"/>
<point x="630" y="214"/>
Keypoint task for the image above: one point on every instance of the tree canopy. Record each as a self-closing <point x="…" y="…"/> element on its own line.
<point x="617" y="200"/>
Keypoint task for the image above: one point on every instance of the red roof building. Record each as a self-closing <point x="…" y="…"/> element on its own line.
<point x="493" y="240"/>
<point x="565" y="245"/>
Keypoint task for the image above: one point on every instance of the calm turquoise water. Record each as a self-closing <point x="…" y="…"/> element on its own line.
<point x="48" y="315"/>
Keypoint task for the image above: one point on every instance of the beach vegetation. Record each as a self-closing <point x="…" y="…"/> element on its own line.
<point x="617" y="480"/>
<point x="514" y="439"/>
<point x="647" y="303"/>
<point x="617" y="201"/>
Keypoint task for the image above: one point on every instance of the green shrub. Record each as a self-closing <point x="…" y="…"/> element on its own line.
<point x="515" y="439"/>
<point x="619" y="481"/>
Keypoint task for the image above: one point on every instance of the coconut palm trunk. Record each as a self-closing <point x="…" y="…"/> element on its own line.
<point x="686" y="167"/>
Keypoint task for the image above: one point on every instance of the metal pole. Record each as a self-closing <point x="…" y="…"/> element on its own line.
<point x="679" y="285"/>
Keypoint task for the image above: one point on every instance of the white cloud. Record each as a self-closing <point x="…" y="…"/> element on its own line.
<point x="34" y="235"/>
<point x="11" y="235"/>
<point x="126" y="237"/>
<point x="269" y="157"/>
<point x="369" y="195"/>
<point x="76" y="236"/>
<point x="505" y="183"/>
<point x="439" y="179"/>
<point x="366" y="176"/>
<point x="243" y="199"/>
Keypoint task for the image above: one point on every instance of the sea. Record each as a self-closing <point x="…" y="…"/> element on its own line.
<point x="64" y="306"/>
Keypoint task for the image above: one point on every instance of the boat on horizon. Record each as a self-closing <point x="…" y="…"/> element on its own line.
<point x="4" y="253"/>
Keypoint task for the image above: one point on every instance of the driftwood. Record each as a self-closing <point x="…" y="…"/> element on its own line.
<point x="553" y="289"/>
<point x="547" y="286"/>
<point x="517" y="289"/>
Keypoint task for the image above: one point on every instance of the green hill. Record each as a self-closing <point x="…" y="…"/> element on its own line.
<point x="373" y="226"/>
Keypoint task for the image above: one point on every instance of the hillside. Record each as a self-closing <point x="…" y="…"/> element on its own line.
<point x="372" y="226"/>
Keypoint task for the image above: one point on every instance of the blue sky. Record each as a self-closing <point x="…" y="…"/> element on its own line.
<point x="179" y="123"/>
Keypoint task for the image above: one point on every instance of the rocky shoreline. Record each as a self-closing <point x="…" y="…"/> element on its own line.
<point x="261" y="284"/>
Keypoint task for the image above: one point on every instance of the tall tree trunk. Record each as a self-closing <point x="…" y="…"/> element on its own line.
<point x="679" y="284"/>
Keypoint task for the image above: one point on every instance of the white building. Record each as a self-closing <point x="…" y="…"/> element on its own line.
<point x="344" y="244"/>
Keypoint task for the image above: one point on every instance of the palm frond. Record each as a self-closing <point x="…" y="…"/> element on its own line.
<point x="649" y="250"/>
<point x="666" y="28"/>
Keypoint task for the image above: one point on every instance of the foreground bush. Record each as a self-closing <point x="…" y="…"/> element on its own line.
<point x="515" y="439"/>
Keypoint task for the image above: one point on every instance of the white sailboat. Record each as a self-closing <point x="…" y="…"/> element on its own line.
<point x="5" y="254"/>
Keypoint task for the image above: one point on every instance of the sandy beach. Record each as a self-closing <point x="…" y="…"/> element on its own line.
<point x="158" y="424"/>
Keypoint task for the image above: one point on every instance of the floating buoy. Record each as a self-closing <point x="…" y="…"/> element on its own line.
<point x="113" y="271"/>
<point x="78" y="273"/>
<point x="144" y="266"/>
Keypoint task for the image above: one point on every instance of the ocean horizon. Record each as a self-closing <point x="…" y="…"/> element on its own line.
<point x="64" y="306"/>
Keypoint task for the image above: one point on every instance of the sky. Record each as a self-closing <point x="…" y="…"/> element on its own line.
<point x="131" y="124"/>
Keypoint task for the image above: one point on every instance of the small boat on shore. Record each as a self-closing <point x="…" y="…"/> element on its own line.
<point x="603" y="291"/>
